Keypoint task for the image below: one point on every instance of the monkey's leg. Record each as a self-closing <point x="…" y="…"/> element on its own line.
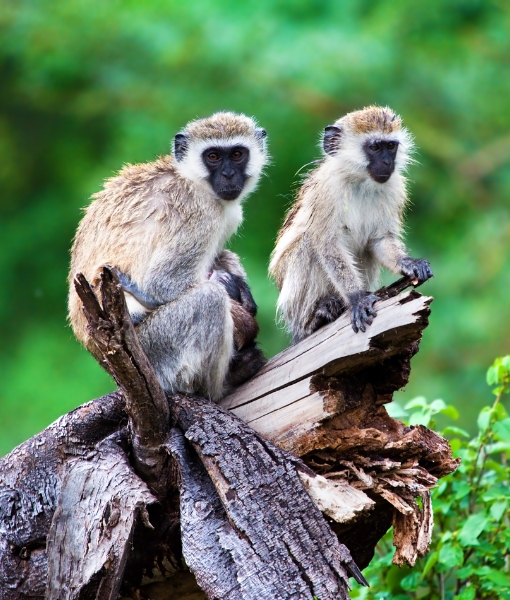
<point x="326" y="311"/>
<point x="345" y="277"/>
<point x="189" y="341"/>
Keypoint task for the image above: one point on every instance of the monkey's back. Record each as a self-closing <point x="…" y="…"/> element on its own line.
<point x="140" y="223"/>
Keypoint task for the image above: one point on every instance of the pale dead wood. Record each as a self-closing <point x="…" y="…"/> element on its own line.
<point x="283" y="401"/>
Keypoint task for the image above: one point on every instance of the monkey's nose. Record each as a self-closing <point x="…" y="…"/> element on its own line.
<point x="228" y="172"/>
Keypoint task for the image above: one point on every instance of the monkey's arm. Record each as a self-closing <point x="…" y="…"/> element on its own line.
<point x="139" y="303"/>
<point x="341" y="270"/>
<point x="392" y="254"/>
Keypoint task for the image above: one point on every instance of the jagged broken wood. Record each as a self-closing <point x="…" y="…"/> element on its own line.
<point x="322" y="400"/>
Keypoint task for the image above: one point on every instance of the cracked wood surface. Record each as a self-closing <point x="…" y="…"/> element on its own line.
<point x="283" y="401"/>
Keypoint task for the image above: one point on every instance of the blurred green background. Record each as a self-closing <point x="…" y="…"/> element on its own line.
<point x="87" y="87"/>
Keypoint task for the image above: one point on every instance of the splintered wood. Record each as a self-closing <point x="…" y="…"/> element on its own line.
<point x="323" y="400"/>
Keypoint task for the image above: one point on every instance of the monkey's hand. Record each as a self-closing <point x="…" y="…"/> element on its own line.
<point x="236" y="288"/>
<point x="139" y="303"/>
<point x="362" y="307"/>
<point x="417" y="268"/>
<point x="245" y="325"/>
<point x="326" y="311"/>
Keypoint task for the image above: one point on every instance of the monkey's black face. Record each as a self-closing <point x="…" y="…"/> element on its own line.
<point x="227" y="170"/>
<point x="381" y="156"/>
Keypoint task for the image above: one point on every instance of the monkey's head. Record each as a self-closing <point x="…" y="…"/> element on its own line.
<point x="226" y="150"/>
<point x="369" y="143"/>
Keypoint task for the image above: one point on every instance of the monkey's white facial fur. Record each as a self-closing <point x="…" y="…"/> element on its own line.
<point x="353" y="158"/>
<point x="192" y="151"/>
<point x="360" y="139"/>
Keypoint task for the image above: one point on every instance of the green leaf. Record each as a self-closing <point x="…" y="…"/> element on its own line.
<point x="502" y="430"/>
<point x="450" y="411"/>
<point x="451" y="556"/>
<point x="455" y="445"/>
<point x="468" y="593"/>
<point x="497" y="510"/>
<point x="418" y="402"/>
<point x="462" y="489"/>
<point x="395" y="410"/>
<point x="410" y="582"/>
<point x="505" y="361"/>
<point x="420" y="418"/>
<point x="465" y="572"/>
<point x="438" y="406"/>
<point x="452" y="430"/>
<point x="500" y="412"/>
<point x="497" y="447"/>
<point x="471" y="529"/>
<point x="431" y="561"/>
<point x="495" y="576"/>
<point x="484" y="418"/>
<point x="492" y="375"/>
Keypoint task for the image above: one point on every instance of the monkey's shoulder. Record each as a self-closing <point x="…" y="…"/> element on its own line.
<point x="141" y="191"/>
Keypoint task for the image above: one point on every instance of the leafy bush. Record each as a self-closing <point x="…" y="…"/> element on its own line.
<point x="470" y="550"/>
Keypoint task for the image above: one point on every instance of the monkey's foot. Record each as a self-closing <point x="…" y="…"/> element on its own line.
<point x="362" y="307"/>
<point x="418" y="268"/>
<point x="326" y="311"/>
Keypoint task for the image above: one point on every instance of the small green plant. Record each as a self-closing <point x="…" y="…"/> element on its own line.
<point x="470" y="550"/>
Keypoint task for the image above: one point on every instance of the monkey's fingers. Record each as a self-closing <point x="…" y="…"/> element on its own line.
<point x="424" y="271"/>
<point x="357" y="321"/>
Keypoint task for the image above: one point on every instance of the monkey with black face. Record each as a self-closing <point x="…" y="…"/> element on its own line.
<point x="163" y="226"/>
<point x="345" y="224"/>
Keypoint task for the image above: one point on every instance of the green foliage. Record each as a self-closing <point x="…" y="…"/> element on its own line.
<point x="470" y="548"/>
<point x="87" y="87"/>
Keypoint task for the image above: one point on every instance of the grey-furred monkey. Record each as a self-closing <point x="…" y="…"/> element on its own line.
<point x="346" y="223"/>
<point x="163" y="227"/>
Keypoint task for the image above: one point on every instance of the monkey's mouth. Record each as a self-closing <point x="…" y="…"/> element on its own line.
<point x="380" y="177"/>
<point x="229" y="194"/>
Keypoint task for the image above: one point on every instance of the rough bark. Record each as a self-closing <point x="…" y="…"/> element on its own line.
<point x="119" y="351"/>
<point x="99" y="501"/>
<point x="239" y="496"/>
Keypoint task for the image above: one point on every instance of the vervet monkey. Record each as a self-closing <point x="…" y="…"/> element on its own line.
<point x="163" y="225"/>
<point x="346" y="223"/>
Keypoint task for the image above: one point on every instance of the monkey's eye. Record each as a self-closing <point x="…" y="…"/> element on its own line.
<point x="375" y="146"/>
<point x="390" y="145"/>
<point x="236" y="155"/>
<point x="213" y="156"/>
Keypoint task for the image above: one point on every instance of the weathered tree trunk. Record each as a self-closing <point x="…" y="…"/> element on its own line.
<point x="121" y="494"/>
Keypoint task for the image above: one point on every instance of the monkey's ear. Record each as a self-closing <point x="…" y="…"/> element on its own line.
<point x="260" y="133"/>
<point x="180" y="146"/>
<point x="331" y="139"/>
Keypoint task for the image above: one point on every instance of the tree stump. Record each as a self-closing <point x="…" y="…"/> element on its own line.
<point x="277" y="493"/>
